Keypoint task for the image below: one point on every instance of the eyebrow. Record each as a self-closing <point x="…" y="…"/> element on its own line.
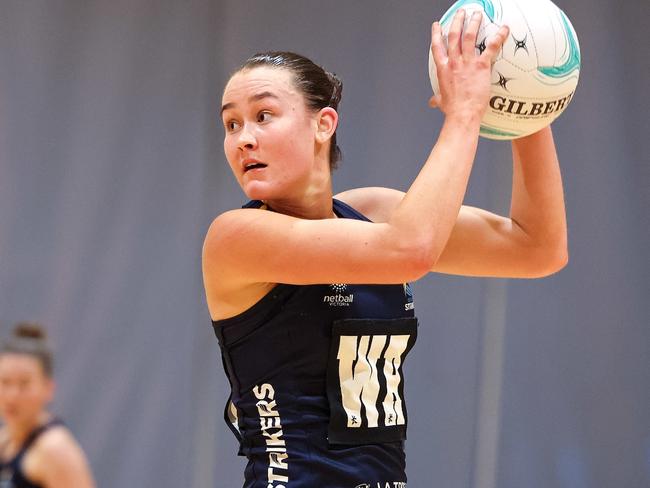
<point x="252" y="98"/>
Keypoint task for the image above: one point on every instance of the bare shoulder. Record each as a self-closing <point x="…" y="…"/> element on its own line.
<point x="375" y="202"/>
<point x="56" y="446"/>
<point x="225" y="231"/>
<point x="232" y="221"/>
<point x="224" y="239"/>
<point x="55" y="438"/>
<point x="56" y="458"/>
<point x="228" y="292"/>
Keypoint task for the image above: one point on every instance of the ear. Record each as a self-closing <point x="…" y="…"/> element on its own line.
<point x="327" y="120"/>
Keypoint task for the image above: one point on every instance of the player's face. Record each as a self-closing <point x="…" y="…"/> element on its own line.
<point x="270" y="133"/>
<point x="25" y="390"/>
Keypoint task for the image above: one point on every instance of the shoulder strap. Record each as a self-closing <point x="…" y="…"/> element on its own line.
<point x="344" y="210"/>
<point x="341" y="209"/>
<point x="36" y="433"/>
<point x="254" y="204"/>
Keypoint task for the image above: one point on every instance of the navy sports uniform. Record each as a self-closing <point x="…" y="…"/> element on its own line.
<point x="11" y="472"/>
<point x="317" y="395"/>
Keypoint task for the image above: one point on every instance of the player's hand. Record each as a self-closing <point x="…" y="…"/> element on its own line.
<point x="464" y="74"/>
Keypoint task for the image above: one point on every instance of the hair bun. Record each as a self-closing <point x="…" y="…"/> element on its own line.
<point x="29" y="330"/>
<point x="337" y="89"/>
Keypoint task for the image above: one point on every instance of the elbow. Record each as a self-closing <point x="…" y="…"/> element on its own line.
<point x="550" y="262"/>
<point x="413" y="253"/>
<point x="560" y="260"/>
<point x="419" y="259"/>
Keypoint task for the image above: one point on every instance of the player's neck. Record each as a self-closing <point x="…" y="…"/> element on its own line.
<point x="312" y="208"/>
<point x="312" y="200"/>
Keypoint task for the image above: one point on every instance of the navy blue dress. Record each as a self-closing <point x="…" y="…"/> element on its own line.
<point x="317" y="391"/>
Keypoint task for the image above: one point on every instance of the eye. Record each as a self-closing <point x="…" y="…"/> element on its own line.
<point x="231" y="125"/>
<point x="263" y="116"/>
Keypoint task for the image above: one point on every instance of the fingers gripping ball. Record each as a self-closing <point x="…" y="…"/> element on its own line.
<point x="535" y="74"/>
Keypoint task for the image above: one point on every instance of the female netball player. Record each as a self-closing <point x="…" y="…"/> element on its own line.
<point x="36" y="449"/>
<point x="309" y="294"/>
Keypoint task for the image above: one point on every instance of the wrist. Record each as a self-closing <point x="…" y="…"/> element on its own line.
<point x="469" y="123"/>
<point x="465" y="118"/>
<point x="541" y="137"/>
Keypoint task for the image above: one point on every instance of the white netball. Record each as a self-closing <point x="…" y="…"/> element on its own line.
<point x="536" y="73"/>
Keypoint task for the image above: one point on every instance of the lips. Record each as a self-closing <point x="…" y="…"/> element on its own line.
<point x="251" y="164"/>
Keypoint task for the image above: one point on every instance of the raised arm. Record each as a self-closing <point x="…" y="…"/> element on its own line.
<point x="255" y="246"/>
<point x="532" y="242"/>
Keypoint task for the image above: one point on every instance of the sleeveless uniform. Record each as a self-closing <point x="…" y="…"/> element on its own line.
<point x="317" y="392"/>
<point x="11" y="472"/>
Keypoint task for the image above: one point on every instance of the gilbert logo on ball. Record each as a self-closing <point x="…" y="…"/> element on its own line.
<point x="536" y="72"/>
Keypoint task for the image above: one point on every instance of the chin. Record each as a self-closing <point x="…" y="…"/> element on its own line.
<point x="260" y="190"/>
<point x="254" y="192"/>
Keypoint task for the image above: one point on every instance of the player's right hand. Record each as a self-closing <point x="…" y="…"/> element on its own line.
<point x="463" y="74"/>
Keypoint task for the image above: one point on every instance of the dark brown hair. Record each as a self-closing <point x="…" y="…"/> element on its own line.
<point x="31" y="339"/>
<point x="319" y="87"/>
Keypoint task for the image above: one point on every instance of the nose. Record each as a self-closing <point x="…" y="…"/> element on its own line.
<point x="247" y="139"/>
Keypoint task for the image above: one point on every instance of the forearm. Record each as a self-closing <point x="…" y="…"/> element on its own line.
<point x="426" y="216"/>
<point x="537" y="195"/>
<point x="430" y="207"/>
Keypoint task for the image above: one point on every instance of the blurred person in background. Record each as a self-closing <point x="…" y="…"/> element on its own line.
<point x="36" y="449"/>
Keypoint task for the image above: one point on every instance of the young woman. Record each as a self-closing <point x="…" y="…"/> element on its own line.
<point x="36" y="449"/>
<point x="309" y="294"/>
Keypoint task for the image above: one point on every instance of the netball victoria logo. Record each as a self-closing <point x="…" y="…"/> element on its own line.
<point x="340" y="297"/>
